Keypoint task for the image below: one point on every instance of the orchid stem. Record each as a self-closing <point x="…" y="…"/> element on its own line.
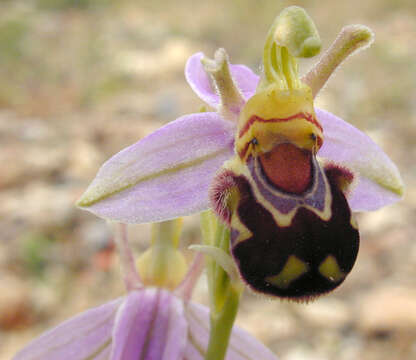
<point x="208" y="227"/>
<point x="221" y="326"/>
<point x="224" y="294"/>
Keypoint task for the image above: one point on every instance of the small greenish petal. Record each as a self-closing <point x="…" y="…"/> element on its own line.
<point x="231" y="97"/>
<point x="350" y="39"/>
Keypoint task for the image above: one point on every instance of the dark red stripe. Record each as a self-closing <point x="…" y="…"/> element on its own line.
<point x="242" y="153"/>
<point x="254" y="118"/>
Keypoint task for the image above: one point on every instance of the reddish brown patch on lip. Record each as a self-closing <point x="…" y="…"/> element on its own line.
<point x="288" y="168"/>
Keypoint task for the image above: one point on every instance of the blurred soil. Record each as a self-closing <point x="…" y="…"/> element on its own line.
<point x="81" y="79"/>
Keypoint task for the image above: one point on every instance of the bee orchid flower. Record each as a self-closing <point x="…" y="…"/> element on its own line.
<point x="283" y="175"/>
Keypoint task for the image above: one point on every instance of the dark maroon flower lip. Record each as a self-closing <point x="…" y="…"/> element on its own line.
<point x="305" y="259"/>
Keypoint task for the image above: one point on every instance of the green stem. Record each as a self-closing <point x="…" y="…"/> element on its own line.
<point x="208" y="229"/>
<point x="221" y="326"/>
<point x="221" y="280"/>
<point x="224" y="294"/>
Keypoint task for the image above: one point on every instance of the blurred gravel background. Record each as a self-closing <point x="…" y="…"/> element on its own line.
<point x="81" y="79"/>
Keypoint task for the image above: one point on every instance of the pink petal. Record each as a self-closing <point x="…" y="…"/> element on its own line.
<point x="200" y="82"/>
<point x="368" y="196"/>
<point x="378" y="181"/>
<point x="242" y="345"/>
<point x="192" y="352"/>
<point x="133" y="322"/>
<point x="176" y="339"/>
<point x="87" y="335"/>
<point x="164" y="175"/>
<point x="150" y="325"/>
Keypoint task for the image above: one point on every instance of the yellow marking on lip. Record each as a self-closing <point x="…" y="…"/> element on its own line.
<point x="330" y="269"/>
<point x="353" y="222"/>
<point x="292" y="270"/>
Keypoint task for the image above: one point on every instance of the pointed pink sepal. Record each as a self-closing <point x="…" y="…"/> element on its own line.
<point x="378" y="180"/>
<point x="150" y="325"/>
<point x="165" y="175"/>
<point x="86" y="336"/>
